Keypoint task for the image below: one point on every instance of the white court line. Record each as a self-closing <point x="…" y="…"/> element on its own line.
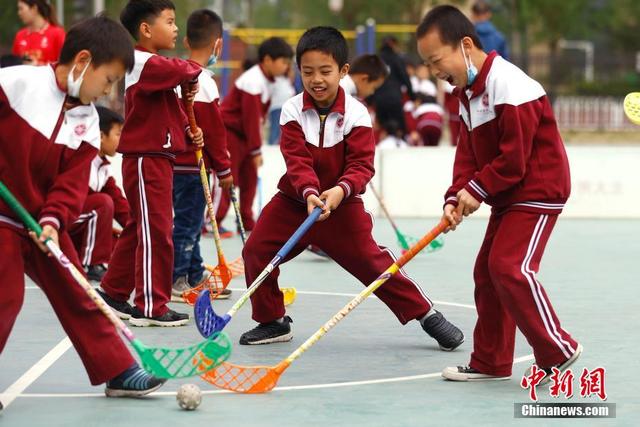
<point x="288" y="388"/>
<point x="16" y="389"/>
<point x="336" y="294"/>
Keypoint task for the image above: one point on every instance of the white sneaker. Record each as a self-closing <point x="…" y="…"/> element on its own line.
<point x="467" y="373"/>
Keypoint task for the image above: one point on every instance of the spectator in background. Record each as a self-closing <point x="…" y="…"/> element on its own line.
<point x="428" y="116"/>
<point x="39" y="43"/>
<point x="422" y="82"/>
<point x="282" y="90"/>
<point x="391" y="136"/>
<point x="491" y="38"/>
<point x="388" y="99"/>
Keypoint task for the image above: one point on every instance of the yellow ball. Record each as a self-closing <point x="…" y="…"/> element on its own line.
<point x="189" y="396"/>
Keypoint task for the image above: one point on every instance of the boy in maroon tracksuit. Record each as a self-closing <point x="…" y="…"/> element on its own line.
<point x="204" y="36"/>
<point x="153" y="133"/>
<point x="48" y="136"/>
<point x="510" y="155"/>
<point x="328" y="147"/>
<point x="92" y="232"/>
<point x="243" y="110"/>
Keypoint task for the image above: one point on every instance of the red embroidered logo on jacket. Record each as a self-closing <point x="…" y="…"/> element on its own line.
<point x="80" y="130"/>
<point x="485" y="99"/>
<point x="340" y="122"/>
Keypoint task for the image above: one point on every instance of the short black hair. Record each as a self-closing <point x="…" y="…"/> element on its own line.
<point x="138" y="11"/>
<point x="452" y="25"/>
<point x="480" y="7"/>
<point x="371" y="66"/>
<point x="10" y="61"/>
<point x="426" y="99"/>
<point x="108" y="118"/>
<point x="103" y="37"/>
<point x="274" y="47"/>
<point x="203" y="26"/>
<point x="324" y="39"/>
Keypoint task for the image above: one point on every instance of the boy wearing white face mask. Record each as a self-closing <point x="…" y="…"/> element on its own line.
<point x="204" y="43"/>
<point x="510" y="155"/>
<point x="49" y="135"/>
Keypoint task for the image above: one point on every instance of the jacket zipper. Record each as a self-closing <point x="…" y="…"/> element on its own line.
<point x="322" y="122"/>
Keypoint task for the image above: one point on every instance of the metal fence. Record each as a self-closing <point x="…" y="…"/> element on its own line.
<point x="591" y="113"/>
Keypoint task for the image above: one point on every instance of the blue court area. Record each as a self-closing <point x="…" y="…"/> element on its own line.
<point x="369" y="370"/>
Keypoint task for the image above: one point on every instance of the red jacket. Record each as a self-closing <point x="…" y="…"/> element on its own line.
<point x="510" y="154"/>
<point x="46" y="146"/>
<point x="101" y="181"/>
<point x="318" y="156"/>
<point x="42" y="46"/>
<point x="155" y="121"/>
<point x="209" y="118"/>
<point x="246" y="105"/>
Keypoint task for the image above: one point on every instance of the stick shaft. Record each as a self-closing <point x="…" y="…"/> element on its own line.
<point x="205" y="185"/>
<point x="236" y="208"/>
<point x="399" y="235"/>
<point x="366" y="292"/>
<point x="282" y="253"/>
<point x="32" y="225"/>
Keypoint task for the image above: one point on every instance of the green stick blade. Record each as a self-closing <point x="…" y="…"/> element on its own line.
<point x="185" y="362"/>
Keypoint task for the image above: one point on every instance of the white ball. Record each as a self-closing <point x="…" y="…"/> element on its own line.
<point x="189" y="396"/>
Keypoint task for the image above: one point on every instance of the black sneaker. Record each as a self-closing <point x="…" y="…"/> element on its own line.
<point x="267" y="333"/>
<point x="134" y="382"/>
<point x="96" y="272"/>
<point x="316" y="250"/>
<point x="467" y="373"/>
<point x="122" y="309"/>
<point x="170" y="318"/>
<point x="449" y="337"/>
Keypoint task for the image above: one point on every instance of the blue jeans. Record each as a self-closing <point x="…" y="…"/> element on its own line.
<point x="274" y="127"/>
<point x="188" y="207"/>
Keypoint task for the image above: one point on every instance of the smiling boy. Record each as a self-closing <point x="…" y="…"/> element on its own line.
<point x="327" y="143"/>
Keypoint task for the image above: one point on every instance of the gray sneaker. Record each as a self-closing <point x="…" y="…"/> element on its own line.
<point x="179" y="286"/>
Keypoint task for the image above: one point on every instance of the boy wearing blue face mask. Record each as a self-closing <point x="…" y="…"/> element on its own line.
<point x="510" y="156"/>
<point x="204" y="43"/>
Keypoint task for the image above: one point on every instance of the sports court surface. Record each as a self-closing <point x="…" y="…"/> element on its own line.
<point x="369" y="370"/>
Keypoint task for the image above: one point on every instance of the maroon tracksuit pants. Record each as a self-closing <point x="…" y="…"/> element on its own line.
<point x="92" y="232"/>
<point x="245" y="177"/>
<point x="508" y="294"/>
<point x="101" y="350"/>
<point x="143" y="257"/>
<point x="345" y="236"/>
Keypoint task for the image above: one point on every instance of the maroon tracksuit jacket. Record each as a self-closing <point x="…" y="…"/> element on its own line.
<point x="46" y="146"/>
<point x="243" y="111"/>
<point x="510" y="155"/>
<point x="206" y="109"/>
<point x="153" y="133"/>
<point x="92" y="232"/>
<point x="320" y="155"/>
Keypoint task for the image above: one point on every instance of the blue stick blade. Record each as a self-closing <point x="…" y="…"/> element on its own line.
<point x="207" y="321"/>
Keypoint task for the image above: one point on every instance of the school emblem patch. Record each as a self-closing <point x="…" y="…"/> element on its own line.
<point x="80" y="130"/>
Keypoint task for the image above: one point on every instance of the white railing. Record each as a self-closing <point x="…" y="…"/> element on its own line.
<point x="591" y="113"/>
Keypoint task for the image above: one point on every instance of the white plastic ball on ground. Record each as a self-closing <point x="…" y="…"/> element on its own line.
<point x="189" y="396"/>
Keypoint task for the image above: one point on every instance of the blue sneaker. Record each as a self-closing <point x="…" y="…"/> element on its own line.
<point x="134" y="382"/>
